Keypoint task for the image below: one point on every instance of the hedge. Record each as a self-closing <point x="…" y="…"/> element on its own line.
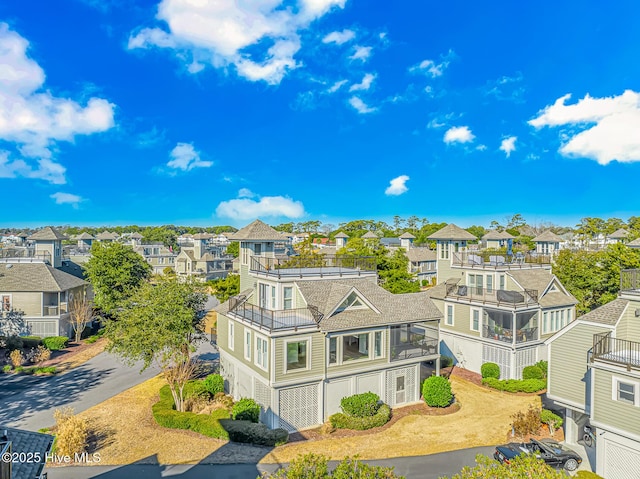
<point x="532" y="372"/>
<point x="31" y="342"/>
<point x="361" y="405"/>
<point x="587" y="475"/>
<point x="55" y="343"/>
<point x="344" y="421"/>
<point x="490" y="370"/>
<point x="195" y="389"/>
<point x="252" y="433"/>
<point x="207" y="425"/>
<point x="516" y="385"/>
<point x="544" y="366"/>
<point x="436" y="391"/>
<point x="246" y="410"/>
<point x="214" y="384"/>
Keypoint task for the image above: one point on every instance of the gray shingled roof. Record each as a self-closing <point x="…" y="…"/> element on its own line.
<point x="620" y="233"/>
<point x="548" y="236"/>
<point x="84" y="235"/>
<point x="394" y="308"/>
<point x="634" y="244"/>
<point x="35" y="277"/>
<point x="47" y="234"/>
<point x="370" y="235"/>
<point x="106" y="235"/>
<point x="341" y="235"/>
<point x="452" y="232"/>
<point x="257" y="230"/>
<point x="30" y="443"/>
<point x="136" y="235"/>
<point x="607" y="313"/>
<point x="539" y="279"/>
<point x="497" y="235"/>
<point x="417" y="255"/>
<point x="202" y="236"/>
<point x="407" y="235"/>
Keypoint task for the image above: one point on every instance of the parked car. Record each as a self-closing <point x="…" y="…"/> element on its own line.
<point x="552" y="452"/>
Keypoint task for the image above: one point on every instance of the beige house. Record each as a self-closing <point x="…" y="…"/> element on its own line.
<point x="594" y="374"/>
<point x="497" y="308"/>
<point x="198" y="260"/>
<point x="547" y="243"/>
<point x="157" y="255"/>
<point x="303" y="334"/>
<point x="497" y="240"/>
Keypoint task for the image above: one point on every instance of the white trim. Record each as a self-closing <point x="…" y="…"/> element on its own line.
<point x="613" y="430"/>
<point x="297" y="339"/>
<point x="2" y="310"/>
<point x="572" y="325"/>
<point x="247" y="346"/>
<point x="360" y="296"/>
<point x="231" y="334"/>
<point x="615" y="383"/>
<point x="262" y="354"/>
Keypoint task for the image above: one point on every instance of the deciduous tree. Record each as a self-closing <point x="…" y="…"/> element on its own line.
<point x="80" y="314"/>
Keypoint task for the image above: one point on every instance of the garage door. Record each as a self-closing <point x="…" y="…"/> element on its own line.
<point x="298" y="407"/>
<point x="620" y="462"/>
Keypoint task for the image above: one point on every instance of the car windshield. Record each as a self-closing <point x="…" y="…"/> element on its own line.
<point x="554" y="447"/>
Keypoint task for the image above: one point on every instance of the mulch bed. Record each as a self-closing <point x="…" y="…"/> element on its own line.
<point x="544" y="434"/>
<point x="68" y="353"/>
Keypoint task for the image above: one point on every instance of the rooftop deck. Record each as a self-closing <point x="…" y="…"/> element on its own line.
<point x="24" y="255"/>
<point x="502" y="261"/>
<point x="617" y="351"/>
<point x="321" y="265"/>
<point x="498" y="297"/>
<point x="273" y="320"/>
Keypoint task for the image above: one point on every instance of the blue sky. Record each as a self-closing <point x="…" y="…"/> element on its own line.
<point x="206" y="113"/>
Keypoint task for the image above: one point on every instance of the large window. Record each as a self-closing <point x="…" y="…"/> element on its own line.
<point x="553" y="321"/>
<point x="489" y="283"/>
<point x="475" y="320"/>
<point x="475" y="283"/>
<point x="288" y="298"/>
<point x="297" y="355"/>
<point x="355" y="346"/>
<point x="261" y="357"/>
<point x="449" y="319"/>
<point x="502" y="282"/>
<point x="231" y="335"/>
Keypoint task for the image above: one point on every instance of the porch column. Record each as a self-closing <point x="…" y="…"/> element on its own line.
<point x="514" y="330"/>
<point x="438" y="366"/>
<point x="570" y="427"/>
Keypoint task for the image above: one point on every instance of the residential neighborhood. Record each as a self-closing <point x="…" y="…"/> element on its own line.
<point x="320" y="239"/>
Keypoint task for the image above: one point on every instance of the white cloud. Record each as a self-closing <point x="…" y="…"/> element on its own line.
<point x="245" y="208"/>
<point x="365" y="84"/>
<point x="360" y="106"/>
<point x="361" y="53"/>
<point x="336" y="86"/>
<point x="339" y="37"/>
<point x="245" y="193"/>
<point x="609" y="125"/>
<point x="508" y="145"/>
<point x="432" y="68"/>
<point x="67" y="199"/>
<point x="397" y="186"/>
<point x="184" y="157"/>
<point x="458" y="134"/>
<point x="481" y="147"/>
<point x="219" y="33"/>
<point x="33" y="119"/>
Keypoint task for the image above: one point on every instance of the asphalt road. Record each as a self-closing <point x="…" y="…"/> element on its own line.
<point x="419" y="467"/>
<point x="28" y="402"/>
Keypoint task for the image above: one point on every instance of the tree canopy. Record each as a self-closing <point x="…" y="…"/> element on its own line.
<point x="115" y="271"/>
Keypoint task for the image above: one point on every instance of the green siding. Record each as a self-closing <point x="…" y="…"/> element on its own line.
<point x="611" y="412"/>
<point x="316" y="360"/>
<point x="238" y="344"/>
<point x="30" y="303"/>
<point x="629" y="326"/>
<point x="461" y="318"/>
<point x="568" y="363"/>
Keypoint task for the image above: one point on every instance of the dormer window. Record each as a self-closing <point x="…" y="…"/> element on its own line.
<point x="352" y="301"/>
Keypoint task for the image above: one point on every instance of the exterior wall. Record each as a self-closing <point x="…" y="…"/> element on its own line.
<point x="316" y="357"/>
<point x="461" y="318"/>
<point x="467" y="352"/>
<point x="238" y="351"/>
<point x="617" y="457"/>
<point x="615" y="414"/>
<point x="30" y="303"/>
<point x="629" y="325"/>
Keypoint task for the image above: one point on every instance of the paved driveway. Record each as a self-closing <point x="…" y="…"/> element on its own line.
<point x="28" y="402"/>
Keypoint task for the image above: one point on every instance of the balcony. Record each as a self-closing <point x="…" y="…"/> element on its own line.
<point x="317" y="265"/>
<point x="54" y="309"/>
<point x="498" y="297"/>
<point x="273" y="320"/>
<point x="616" y="351"/>
<point x="630" y="281"/>
<point x="500" y="261"/>
<point x="24" y="255"/>
<point x="410" y="341"/>
<point x="500" y="326"/>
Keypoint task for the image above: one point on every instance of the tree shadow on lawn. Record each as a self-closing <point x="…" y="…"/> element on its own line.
<point x="33" y="394"/>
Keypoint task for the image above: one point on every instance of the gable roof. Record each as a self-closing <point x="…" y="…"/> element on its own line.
<point x="257" y="230"/>
<point x="547" y="236"/>
<point x="47" y="233"/>
<point x="407" y="235"/>
<point x="416" y="255"/>
<point x="634" y="244"/>
<point x="136" y="235"/>
<point x="620" y="233"/>
<point x="393" y="308"/>
<point x="106" y="235"/>
<point x="370" y="235"/>
<point x="84" y="235"/>
<point x="341" y="235"/>
<point x="539" y="279"/>
<point x="452" y="232"/>
<point x="36" y="277"/>
<point x="608" y="313"/>
<point x="497" y="235"/>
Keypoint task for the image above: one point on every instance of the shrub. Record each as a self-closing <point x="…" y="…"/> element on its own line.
<point x="92" y="339"/>
<point x="41" y="355"/>
<point x="30" y="342"/>
<point x="550" y="419"/>
<point x="490" y="370"/>
<point x="526" y="422"/>
<point x="195" y="390"/>
<point x="72" y="432"/>
<point x="206" y="424"/>
<point x="346" y="421"/>
<point x="532" y="372"/>
<point x="214" y="384"/>
<point x="587" y="475"/>
<point x="515" y="385"/>
<point x="445" y="361"/>
<point x="425" y="282"/>
<point x="13" y="343"/>
<point x="246" y="410"/>
<point x="225" y="400"/>
<point x="16" y="358"/>
<point x="544" y="366"/>
<point x="314" y="466"/>
<point x="361" y="405"/>
<point x="251" y="433"/>
<point x="436" y="391"/>
<point x="6" y="368"/>
<point x="55" y="343"/>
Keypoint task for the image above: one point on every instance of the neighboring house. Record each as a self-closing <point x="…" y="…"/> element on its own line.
<point x="33" y="446"/>
<point x="198" y="260"/>
<point x="303" y="334"/>
<point x="48" y="245"/>
<point x="618" y="236"/>
<point x="594" y="373"/>
<point x="84" y="241"/>
<point x="422" y="263"/>
<point x="497" y="240"/>
<point x="634" y="244"/>
<point x="106" y="237"/>
<point x="157" y="255"/>
<point x="497" y="308"/>
<point x="548" y="243"/>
